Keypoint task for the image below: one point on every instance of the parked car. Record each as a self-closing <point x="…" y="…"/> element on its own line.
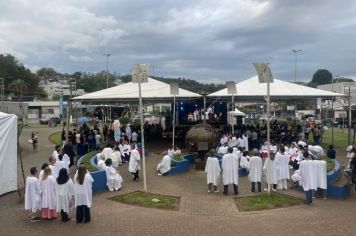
<point x="56" y="120"/>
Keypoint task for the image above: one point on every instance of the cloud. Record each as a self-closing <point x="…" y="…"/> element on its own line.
<point x="207" y="40"/>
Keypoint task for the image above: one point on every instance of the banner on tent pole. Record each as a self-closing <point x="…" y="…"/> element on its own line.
<point x="231" y="87"/>
<point x="264" y="72"/>
<point x="174" y="88"/>
<point x="140" y="73"/>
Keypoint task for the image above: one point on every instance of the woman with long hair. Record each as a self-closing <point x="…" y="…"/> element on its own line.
<point x="49" y="195"/>
<point x="83" y="194"/>
<point x="65" y="193"/>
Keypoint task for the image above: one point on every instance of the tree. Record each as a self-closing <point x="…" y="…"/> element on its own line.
<point x="46" y="73"/>
<point x="320" y="77"/>
<point x="342" y="79"/>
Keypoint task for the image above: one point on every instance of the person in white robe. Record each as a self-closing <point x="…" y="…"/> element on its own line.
<point x="320" y="169"/>
<point x="116" y="158"/>
<point x="83" y="194"/>
<point x="213" y="171"/>
<point x="270" y="171"/>
<point x="222" y="150"/>
<point x="134" y="163"/>
<point x="43" y="167"/>
<point x="232" y="142"/>
<point x="244" y="160"/>
<point x="308" y="177"/>
<point x="59" y="164"/>
<point x="230" y="171"/>
<point x="65" y="157"/>
<point x="49" y="195"/>
<point x="240" y="143"/>
<point x="245" y="141"/>
<point x="65" y="194"/>
<point x="316" y="150"/>
<point x="164" y="166"/>
<point x="114" y="179"/>
<point x="33" y="195"/>
<point x="55" y="153"/>
<point x="107" y="151"/>
<point x="255" y="171"/>
<point x="171" y="152"/>
<point x="282" y="165"/>
<point x="100" y="161"/>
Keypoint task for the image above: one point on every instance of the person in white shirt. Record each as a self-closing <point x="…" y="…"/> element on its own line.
<point x="83" y="194"/>
<point x="171" y="152"/>
<point x="49" y="195"/>
<point x="65" y="194"/>
<point x="114" y="179"/>
<point x="164" y="166"/>
<point x="255" y="170"/>
<point x="124" y="150"/>
<point x="33" y="195"/>
<point x="134" y="136"/>
<point x="282" y="165"/>
<point x="230" y="171"/>
<point x="270" y="171"/>
<point x="308" y="177"/>
<point x="222" y="149"/>
<point x="97" y="140"/>
<point x="134" y="163"/>
<point x="213" y="171"/>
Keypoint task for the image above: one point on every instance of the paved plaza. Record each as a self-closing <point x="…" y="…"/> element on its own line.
<point x="199" y="213"/>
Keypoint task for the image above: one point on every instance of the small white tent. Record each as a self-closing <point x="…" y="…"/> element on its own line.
<point x="234" y="116"/>
<point x="8" y="153"/>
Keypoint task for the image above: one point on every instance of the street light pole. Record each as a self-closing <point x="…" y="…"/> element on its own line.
<point x="295" y="51"/>
<point x="2" y="94"/>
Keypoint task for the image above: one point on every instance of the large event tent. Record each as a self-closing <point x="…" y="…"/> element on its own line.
<point x="251" y="89"/>
<point x="152" y="90"/>
<point x="8" y="153"/>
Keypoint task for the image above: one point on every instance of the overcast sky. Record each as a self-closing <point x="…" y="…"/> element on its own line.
<point x="205" y="40"/>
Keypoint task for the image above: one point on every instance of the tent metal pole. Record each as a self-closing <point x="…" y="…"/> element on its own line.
<point x="268" y="130"/>
<point x="142" y="138"/>
<point x="174" y="120"/>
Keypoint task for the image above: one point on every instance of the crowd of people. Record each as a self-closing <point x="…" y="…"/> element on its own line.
<point x="51" y="191"/>
<point x="274" y="163"/>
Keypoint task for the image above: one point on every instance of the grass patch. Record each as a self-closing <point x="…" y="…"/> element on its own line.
<point x="179" y="157"/>
<point x="144" y="199"/>
<point x="86" y="161"/>
<point x="330" y="165"/>
<point x="265" y="202"/>
<point x="340" y="138"/>
<point x="56" y="138"/>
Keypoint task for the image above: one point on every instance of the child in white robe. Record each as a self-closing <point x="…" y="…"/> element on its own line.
<point x="83" y="194"/>
<point x="116" y="158"/>
<point x="270" y="171"/>
<point x="282" y="162"/>
<point x="213" y="171"/>
<point x="164" y="166"/>
<point x="33" y="195"/>
<point x="49" y="195"/>
<point x="65" y="194"/>
<point x="100" y="161"/>
<point x="114" y="180"/>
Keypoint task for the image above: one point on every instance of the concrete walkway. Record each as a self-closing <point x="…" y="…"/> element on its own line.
<point x="200" y="213"/>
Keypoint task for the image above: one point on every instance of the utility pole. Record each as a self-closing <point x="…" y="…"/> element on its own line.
<point x="107" y="80"/>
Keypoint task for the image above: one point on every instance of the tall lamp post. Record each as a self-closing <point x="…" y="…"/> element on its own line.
<point x="295" y="51"/>
<point x="265" y="76"/>
<point x="231" y="89"/>
<point x="140" y="75"/>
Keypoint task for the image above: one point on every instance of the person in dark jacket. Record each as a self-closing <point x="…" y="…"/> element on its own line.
<point x="331" y="153"/>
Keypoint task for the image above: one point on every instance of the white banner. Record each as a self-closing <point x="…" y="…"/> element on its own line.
<point x="140" y="73"/>
<point x="264" y="72"/>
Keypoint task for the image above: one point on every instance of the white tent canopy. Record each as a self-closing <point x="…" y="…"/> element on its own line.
<point x="8" y="153"/>
<point x="237" y="112"/>
<point x="152" y="90"/>
<point x="279" y="89"/>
